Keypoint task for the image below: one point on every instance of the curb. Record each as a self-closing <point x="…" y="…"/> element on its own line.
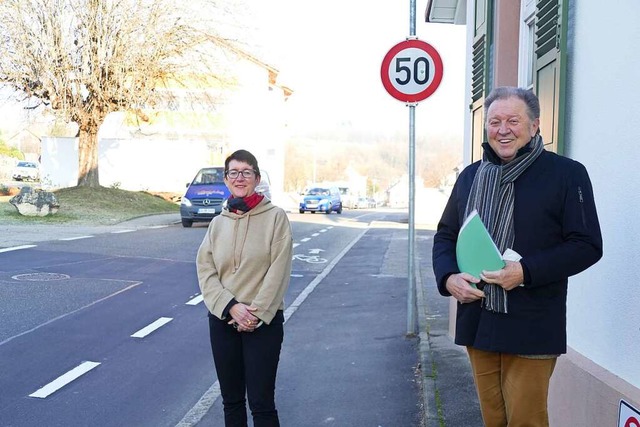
<point x="430" y="416"/>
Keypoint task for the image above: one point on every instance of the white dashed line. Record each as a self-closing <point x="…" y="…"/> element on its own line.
<point x="295" y="245"/>
<point x="67" y="239"/>
<point x="157" y="226"/>
<point x="152" y="327"/>
<point x="324" y="230"/>
<point x="201" y="407"/>
<point x="315" y="234"/>
<point x="16" y="248"/>
<point x="65" y="379"/>
<point x="306" y="239"/>
<point x="195" y="301"/>
<point x="122" y="231"/>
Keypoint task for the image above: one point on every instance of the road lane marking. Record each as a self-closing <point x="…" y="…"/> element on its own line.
<point x="68" y="239"/>
<point x="295" y="245"/>
<point x="315" y="234"/>
<point x="152" y="327"/>
<point x="297" y="275"/>
<point x="157" y="226"/>
<point x="324" y="230"/>
<point x="306" y="239"/>
<point x="64" y="379"/>
<point x="122" y="231"/>
<point x="200" y="409"/>
<point x="16" y="248"/>
<point x="195" y="301"/>
<point x="311" y="286"/>
<point x="311" y="259"/>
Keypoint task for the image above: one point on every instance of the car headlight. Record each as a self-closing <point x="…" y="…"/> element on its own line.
<point x="185" y="202"/>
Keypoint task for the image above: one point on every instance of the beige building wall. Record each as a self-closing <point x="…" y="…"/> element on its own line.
<point x="583" y="393"/>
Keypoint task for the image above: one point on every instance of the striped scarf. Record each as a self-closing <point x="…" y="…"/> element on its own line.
<point x="492" y="195"/>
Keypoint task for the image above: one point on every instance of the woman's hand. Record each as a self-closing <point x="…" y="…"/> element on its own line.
<point x="459" y="286"/>
<point x="509" y="277"/>
<point x="243" y="318"/>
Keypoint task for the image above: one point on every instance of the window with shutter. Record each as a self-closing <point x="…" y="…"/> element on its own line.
<point x="479" y="74"/>
<point x="526" y="61"/>
<point x="550" y="64"/>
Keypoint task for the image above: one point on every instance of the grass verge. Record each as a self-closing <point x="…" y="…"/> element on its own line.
<point x="99" y="206"/>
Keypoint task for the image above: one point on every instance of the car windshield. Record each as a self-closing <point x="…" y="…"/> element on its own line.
<point x="209" y="176"/>
<point x="26" y="165"/>
<point x="318" y="192"/>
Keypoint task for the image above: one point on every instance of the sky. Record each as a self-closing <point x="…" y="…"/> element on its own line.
<point x="330" y="54"/>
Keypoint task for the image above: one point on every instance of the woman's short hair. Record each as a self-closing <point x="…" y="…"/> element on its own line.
<point x="242" y="156"/>
<point x="526" y="95"/>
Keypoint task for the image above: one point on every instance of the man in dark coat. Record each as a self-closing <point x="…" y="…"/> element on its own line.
<point x="540" y="206"/>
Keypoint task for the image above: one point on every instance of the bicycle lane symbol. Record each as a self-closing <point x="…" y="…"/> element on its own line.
<point x="312" y="258"/>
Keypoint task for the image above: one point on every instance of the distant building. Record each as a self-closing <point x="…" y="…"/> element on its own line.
<point x="398" y="193"/>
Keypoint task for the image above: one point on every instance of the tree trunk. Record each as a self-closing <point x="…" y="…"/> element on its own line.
<point x="88" y="175"/>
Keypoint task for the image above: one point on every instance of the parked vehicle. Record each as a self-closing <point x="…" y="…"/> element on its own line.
<point x="265" y="184"/>
<point x="347" y="198"/>
<point x="26" y="171"/>
<point x="321" y="199"/>
<point x="204" y="197"/>
<point x="361" y="203"/>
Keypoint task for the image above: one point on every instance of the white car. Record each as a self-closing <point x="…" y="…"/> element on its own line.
<point x="361" y="203"/>
<point x="26" y="171"/>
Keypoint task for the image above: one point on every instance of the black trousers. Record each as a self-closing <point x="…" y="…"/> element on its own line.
<point x="247" y="363"/>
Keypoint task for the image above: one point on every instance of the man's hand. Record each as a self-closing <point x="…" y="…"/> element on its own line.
<point x="509" y="277"/>
<point x="459" y="286"/>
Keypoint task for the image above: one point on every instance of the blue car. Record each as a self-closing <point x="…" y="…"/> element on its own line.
<point x="204" y="197"/>
<point x="321" y="199"/>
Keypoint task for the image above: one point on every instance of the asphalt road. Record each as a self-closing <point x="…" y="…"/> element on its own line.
<point x="107" y="329"/>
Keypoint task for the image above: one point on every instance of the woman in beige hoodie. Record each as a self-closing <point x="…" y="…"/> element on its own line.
<point x="244" y="265"/>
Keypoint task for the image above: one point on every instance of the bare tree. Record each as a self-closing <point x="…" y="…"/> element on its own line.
<point x="87" y="58"/>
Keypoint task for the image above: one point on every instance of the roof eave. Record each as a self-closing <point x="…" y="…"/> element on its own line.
<point x="446" y="12"/>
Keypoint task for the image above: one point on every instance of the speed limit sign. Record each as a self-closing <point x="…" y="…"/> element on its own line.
<point x="628" y="416"/>
<point x="411" y="71"/>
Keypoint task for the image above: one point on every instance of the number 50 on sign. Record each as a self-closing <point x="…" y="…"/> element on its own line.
<point x="411" y="71"/>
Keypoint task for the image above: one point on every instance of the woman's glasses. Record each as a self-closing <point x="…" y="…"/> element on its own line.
<point x="247" y="173"/>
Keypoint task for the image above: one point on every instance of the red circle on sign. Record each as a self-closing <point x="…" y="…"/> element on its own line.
<point x="429" y="88"/>
<point x="632" y="422"/>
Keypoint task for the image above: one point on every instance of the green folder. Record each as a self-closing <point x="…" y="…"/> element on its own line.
<point x="475" y="249"/>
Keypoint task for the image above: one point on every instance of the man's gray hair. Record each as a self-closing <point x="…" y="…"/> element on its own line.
<point x="526" y="95"/>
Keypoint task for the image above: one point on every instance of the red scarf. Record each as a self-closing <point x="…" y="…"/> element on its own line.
<point x="244" y="204"/>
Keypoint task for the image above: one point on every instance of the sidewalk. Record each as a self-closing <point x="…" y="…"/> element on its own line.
<point x="449" y="392"/>
<point x="17" y="235"/>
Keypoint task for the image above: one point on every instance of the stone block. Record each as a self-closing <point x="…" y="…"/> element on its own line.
<point x="38" y="202"/>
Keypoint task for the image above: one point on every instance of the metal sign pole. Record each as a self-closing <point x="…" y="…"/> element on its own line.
<point x="411" y="72"/>
<point x="411" y="315"/>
